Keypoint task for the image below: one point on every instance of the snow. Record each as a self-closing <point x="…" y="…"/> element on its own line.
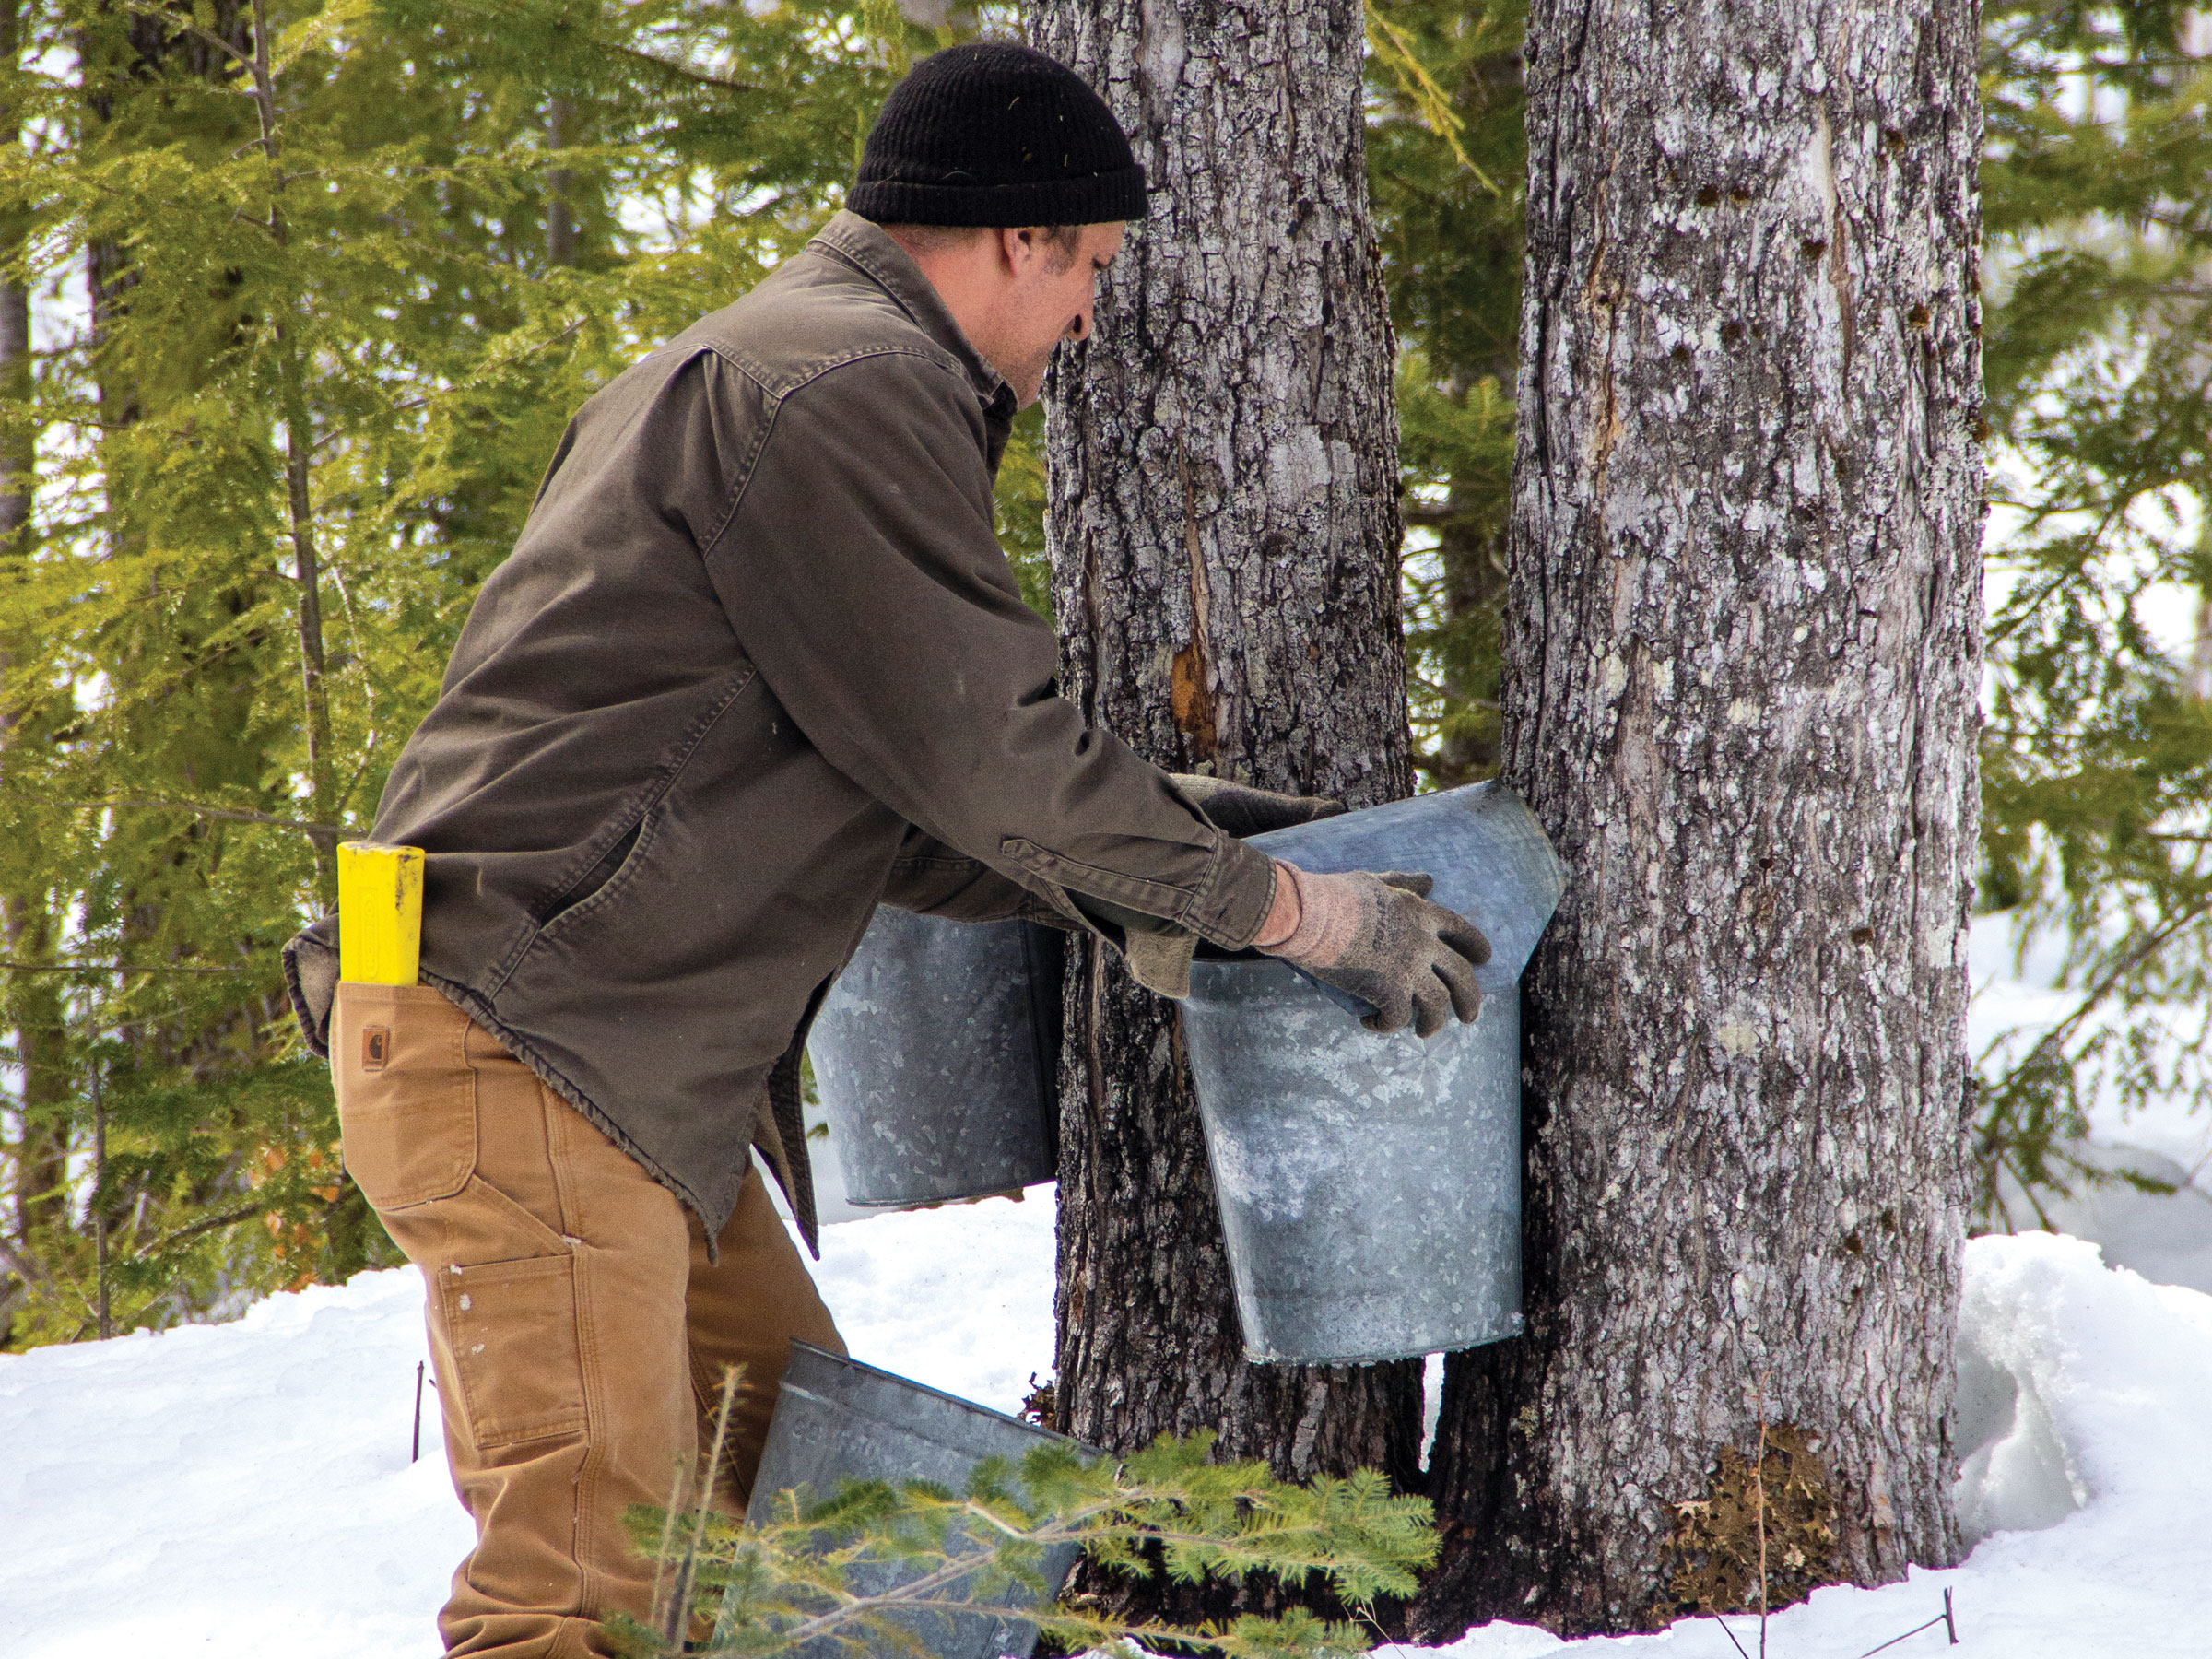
<point x="2087" y="1392"/>
<point x="246" y="1490"/>
<point x="2167" y="1237"/>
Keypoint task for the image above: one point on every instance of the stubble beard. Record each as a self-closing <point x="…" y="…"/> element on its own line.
<point x="1028" y="378"/>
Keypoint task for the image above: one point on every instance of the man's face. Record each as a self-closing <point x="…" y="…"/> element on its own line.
<point x="1047" y="299"/>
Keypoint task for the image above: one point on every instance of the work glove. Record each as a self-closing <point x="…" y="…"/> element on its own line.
<point x="1377" y="938"/>
<point x="1241" y="810"/>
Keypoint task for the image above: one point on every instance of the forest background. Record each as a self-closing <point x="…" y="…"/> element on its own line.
<point x="295" y="300"/>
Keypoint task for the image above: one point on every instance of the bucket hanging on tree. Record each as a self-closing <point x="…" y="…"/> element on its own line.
<point x="1370" y="1186"/>
<point x="936" y="1056"/>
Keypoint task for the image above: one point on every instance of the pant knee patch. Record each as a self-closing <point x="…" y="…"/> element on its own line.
<point x="510" y="1327"/>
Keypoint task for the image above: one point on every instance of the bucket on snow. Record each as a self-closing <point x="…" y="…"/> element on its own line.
<point x="936" y="1055"/>
<point x="838" y="1419"/>
<point x="1370" y="1186"/>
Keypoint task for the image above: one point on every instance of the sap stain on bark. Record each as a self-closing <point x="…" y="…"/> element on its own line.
<point x="1193" y="699"/>
<point x="1776" y="1520"/>
<point x="1190" y="675"/>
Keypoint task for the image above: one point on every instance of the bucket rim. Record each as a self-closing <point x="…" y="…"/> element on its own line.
<point x="1036" y="1430"/>
<point x="1517" y="1325"/>
<point x="934" y="1199"/>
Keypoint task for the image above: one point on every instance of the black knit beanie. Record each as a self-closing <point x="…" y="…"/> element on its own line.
<point x="995" y="134"/>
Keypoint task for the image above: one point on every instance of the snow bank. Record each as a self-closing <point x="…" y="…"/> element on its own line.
<point x="244" y="1489"/>
<point x="2086" y="1404"/>
<point x="237" y="1489"/>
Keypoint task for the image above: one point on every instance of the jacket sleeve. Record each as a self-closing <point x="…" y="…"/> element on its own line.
<point x="861" y="574"/>
<point x="931" y="879"/>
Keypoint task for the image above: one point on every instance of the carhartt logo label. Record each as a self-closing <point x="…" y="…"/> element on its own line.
<point x="376" y="1047"/>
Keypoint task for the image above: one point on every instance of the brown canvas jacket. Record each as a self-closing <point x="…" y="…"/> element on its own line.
<point x="755" y="665"/>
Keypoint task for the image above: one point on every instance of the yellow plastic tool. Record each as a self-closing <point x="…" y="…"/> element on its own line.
<point x="380" y="914"/>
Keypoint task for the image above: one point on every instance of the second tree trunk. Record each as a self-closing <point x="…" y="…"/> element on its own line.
<point x="1224" y="537"/>
<point x="1742" y="647"/>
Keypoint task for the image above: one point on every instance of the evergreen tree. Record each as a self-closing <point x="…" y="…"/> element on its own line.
<point x="2097" y="757"/>
<point x="323" y="283"/>
<point x="1445" y="165"/>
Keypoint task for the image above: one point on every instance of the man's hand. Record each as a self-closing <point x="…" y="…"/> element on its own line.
<point x="1241" y="810"/>
<point x="1378" y="937"/>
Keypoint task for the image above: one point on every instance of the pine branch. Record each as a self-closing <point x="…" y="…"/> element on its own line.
<point x="210" y="1224"/>
<point x="789" y="1581"/>
<point x="184" y="25"/>
<point x="682" y="71"/>
<point x="108" y="968"/>
<point x="229" y="814"/>
<point x="21" y="1265"/>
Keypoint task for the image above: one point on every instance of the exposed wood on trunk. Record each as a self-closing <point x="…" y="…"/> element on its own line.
<point x="1224" y="539"/>
<point x="1743" y="644"/>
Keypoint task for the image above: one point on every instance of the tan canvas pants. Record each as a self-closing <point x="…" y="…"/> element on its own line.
<point x="578" y="1332"/>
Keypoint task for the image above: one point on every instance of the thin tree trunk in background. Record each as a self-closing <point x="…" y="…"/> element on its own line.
<point x="1472" y="554"/>
<point x="2198" y="682"/>
<point x="1224" y="539"/>
<point x="298" y="460"/>
<point x="560" y="221"/>
<point x="1743" y="646"/>
<point x="103" y="1312"/>
<point x="39" y="1157"/>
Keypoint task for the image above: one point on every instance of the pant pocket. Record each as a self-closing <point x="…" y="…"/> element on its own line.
<point x="406" y="1094"/>
<point x="510" y="1328"/>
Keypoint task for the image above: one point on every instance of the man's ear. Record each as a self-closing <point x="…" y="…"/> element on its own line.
<point x="1015" y="248"/>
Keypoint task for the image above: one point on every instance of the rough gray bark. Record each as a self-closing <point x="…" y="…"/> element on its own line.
<point x="1224" y="535"/>
<point x="1743" y="643"/>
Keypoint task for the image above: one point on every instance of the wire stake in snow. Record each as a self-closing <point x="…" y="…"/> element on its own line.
<point x="415" y="1454"/>
<point x="1943" y="1618"/>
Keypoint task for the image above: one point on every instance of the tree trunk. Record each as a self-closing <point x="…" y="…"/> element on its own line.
<point x="38" y="1162"/>
<point x="1743" y="647"/>
<point x="560" y="219"/>
<point x="1224" y="532"/>
<point x="1471" y="551"/>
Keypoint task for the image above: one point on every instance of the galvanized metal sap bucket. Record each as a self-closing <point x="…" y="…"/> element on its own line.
<point x="936" y="1055"/>
<point x="837" y="1419"/>
<point x="1371" y="1186"/>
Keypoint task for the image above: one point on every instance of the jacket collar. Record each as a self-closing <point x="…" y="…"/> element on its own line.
<point x="866" y="246"/>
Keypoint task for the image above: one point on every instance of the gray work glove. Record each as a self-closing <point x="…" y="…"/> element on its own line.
<point x="1377" y="938"/>
<point x="1241" y="810"/>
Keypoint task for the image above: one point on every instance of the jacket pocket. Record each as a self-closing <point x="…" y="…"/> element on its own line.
<point x="597" y="876"/>
<point x="406" y="1095"/>
<point x="510" y="1329"/>
<point x="598" y="885"/>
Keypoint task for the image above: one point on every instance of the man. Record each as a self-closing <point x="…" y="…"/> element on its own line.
<point x="757" y="665"/>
